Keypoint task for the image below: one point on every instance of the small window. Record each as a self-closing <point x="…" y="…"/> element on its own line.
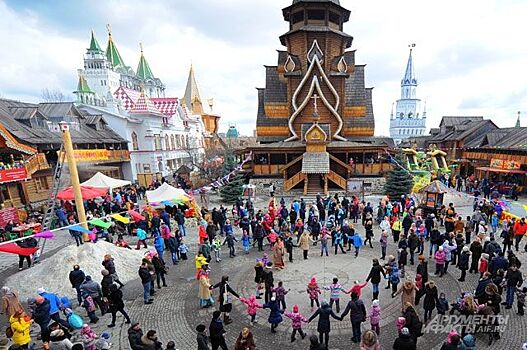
<point x="334" y="17"/>
<point x="297" y="17"/>
<point x="157" y="142"/>
<point x="41" y="183"/>
<point x="316" y="15"/>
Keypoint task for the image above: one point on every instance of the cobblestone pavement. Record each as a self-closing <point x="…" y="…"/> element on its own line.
<point x="175" y="313"/>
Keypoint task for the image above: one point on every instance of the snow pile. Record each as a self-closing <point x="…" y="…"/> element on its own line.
<point x="53" y="272"/>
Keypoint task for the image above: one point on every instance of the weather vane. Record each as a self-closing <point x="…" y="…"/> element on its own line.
<point x="109" y="29"/>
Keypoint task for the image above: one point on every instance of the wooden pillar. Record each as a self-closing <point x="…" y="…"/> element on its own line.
<point x="363" y="162"/>
<point x="268" y="163"/>
<point x="325" y="183"/>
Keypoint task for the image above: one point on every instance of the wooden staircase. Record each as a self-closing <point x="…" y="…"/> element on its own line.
<point x="293" y="181"/>
<point x="312" y="185"/>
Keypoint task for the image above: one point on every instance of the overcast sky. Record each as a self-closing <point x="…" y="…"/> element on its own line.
<point x="470" y="59"/>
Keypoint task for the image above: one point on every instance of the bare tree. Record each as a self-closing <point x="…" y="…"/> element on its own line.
<point x="54" y="95"/>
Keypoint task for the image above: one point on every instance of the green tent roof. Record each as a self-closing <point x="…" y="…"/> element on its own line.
<point x="82" y="86"/>
<point x="143" y="69"/>
<point x="94" y="44"/>
<point x="232" y="132"/>
<point x="113" y="55"/>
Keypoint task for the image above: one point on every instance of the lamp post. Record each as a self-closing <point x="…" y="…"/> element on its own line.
<point x="74" y="174"/>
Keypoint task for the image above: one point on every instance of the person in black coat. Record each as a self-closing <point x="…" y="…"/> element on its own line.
<point x="484" y="281"/>
<point x="476" y="249"/>
<point x="422" y="268"/>
<point x="324" y="325"/>
<point x="404" y="341"/>
<point x="375" y="277"/>
<point x="225" y="297"/>
<point x="314" y="344"/>
<point x="41" y="313"/>
<point x="135" y="333"/>
<point x="216" y="332"/>
<point x="268" y="280"/>
<point x="413" y="323"/>
<point x="115" y="298"/>
<point x="201" y="338"/>
<point x="462" y="264"/>
<point x="431" y="299"/>
<point x="160" y="270"/>
<point x="77" y="276"/>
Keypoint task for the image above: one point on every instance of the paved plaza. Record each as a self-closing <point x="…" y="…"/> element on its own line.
<point x="175" y="312"/>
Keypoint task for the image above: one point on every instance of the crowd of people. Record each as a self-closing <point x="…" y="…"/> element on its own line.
<point x="338" y="226"/>
<point x="451" y="244"/>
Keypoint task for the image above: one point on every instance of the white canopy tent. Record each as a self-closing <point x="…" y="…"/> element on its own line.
<point x="100" y="180"/>
<point x="165" y="192"/>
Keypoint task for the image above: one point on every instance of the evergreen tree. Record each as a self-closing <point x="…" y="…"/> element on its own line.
<point x="399" y="182"/>
<point x="234" y="189"/>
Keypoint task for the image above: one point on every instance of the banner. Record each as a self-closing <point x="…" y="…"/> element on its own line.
<point x="504" y="164"/>
<point x="9" y="214"/>
<point x="89" y="155"/>
<point x="11" y="175"/>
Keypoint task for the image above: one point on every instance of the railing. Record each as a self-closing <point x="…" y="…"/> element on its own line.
<point x="37" y="162"/>
<point x="337" y="179"/>
<point x="293" y="181"/>
<point x="283" y="168"/>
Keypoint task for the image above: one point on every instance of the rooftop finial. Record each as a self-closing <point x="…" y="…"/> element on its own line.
<point x="411" y="46"/>
<point x="518" y="125"/>
<point x="141" y="47"/>
<point x="109" y="29"/>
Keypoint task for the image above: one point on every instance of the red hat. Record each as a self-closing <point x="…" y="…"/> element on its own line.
<point x="295" y="308"/>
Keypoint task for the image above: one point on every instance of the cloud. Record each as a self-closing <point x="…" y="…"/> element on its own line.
<point x="468" y="55"/>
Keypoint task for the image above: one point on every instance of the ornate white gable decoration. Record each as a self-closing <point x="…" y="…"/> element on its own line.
<point x="342" y="66"/>
<point x="315" y="51"/>
<point x="289" y="65"/>
<point x="315" y="85"/>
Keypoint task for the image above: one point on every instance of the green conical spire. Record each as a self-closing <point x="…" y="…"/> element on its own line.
<point x="143" y="69"/>
<point x="82" y="86"/>
<point x="518" y="125"/>
<point x="112" y="54"/>
<point x="94" y="44"/>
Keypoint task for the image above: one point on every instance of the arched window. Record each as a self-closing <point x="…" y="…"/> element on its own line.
<point x="135" y="145"/>
<point x="167" y="143"/>
<point x="172" y="141"/>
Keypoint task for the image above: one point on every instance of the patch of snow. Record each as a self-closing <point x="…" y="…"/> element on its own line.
<point x="52" y="273"/>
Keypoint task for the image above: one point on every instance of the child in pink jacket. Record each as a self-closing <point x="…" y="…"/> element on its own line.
<point x="252" y="306"/>
<point x="296" y="319"/>
<point x="313" y="291"/>
<point x="375" y="316"/>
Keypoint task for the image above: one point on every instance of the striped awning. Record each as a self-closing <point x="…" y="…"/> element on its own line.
<point x="315" y="163"/>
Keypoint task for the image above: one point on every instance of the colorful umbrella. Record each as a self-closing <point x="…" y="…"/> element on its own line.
<point x="120" y="218"/>
<point x="16" y="249"/>
<point x="100" y="223"/>
<point x="87" y="192"/>
<point x="135" y="215"/>
<point x="79" y="228"/>
<point x="44" y="234"/>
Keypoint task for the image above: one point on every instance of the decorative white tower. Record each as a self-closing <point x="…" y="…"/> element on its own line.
<point x="407" y="121"/>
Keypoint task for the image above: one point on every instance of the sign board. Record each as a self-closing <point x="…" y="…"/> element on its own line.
<point x="355" y="187"/>
<point x="504" y="164"/>
<point x="11" y="175"/>
<point x="9" y="214"/>
<point x="89" y="155"/>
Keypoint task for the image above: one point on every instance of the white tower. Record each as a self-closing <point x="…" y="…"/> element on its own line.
<point x="407" y="121"/>
<point x="98" y="71"/>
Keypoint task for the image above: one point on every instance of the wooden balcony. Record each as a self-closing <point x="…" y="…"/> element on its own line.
<point x="36" y="162"/>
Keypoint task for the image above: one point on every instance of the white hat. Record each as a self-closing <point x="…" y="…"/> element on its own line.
<point x="466" y="249"/>
<point x="41" y="290"/>
<point x="375" y="302"/>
